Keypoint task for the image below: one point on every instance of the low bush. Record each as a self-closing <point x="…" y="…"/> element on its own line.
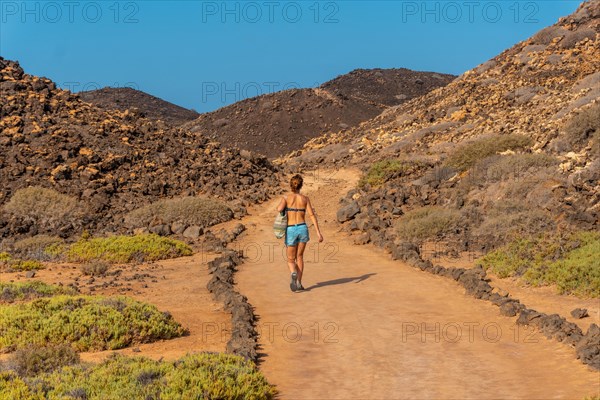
<point x="87" y="323"/>
<point x="384" y="170"/>
<point x="48" y="208"/>
<point x="509" y="220"/>
<point x="39" y="247"/>
<point x="428" y="223"/>
<point x="95" y="268"/>
<point x="17" y="291"/>
<point x="468" y="154"/>
<point x="10" y="264"/>
<point x="582" y="128"/>
<point x="574" y="37"/>
<point x="200" y="211"/>
<point x="125" y="249"/>
<point x="32" y="360"/>
<point x="507" y="167"/>
<point x="546" y="35"/>
<point x="196" y="376"/>
<point x="532" y="189"/>
<point x="570" y="262"/>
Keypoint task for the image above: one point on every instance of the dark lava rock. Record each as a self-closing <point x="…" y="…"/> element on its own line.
<point x="511" y="308"/>
<point x="579" y="313"/>
<point x="348" y="212"/>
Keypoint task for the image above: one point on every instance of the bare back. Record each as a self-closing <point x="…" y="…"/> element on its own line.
<point x="298" y="204"/>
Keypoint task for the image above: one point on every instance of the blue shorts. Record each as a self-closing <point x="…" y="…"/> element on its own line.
<point x="296" y="234"/>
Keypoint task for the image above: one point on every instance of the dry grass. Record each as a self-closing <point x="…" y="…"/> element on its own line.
<point x="37" y="247"/>
<point x="574" y="37"/>
<point x="200" y="211"/>
<point x="35" y="359"/>
<point x="95" y="268"/>
<point x="430" y="222"/>
<point x="546" y="35"/>
<point x="509" y="219"/>
<point x="468" y="154"/>
<point x="47" y="208"/>
<point x="582" y="128"/>
<point x="506" y="167"/>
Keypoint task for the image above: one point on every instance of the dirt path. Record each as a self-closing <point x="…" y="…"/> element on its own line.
<point x="372" y="328"/>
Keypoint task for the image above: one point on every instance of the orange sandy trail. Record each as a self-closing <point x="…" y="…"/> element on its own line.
<point x="373" y="328"/>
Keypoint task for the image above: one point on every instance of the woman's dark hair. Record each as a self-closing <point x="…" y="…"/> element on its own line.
<point x="296" y="183"/>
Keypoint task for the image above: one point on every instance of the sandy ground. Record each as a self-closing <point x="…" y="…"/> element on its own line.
<point x="372" y="328"/>
<point x="366" y="328"/>
<point x="177" y="286"/>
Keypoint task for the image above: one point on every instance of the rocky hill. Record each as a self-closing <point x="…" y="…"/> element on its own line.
<point x="111" y="162"/>
<point x="150" y="106"/>
<point x="273" y="124"/>
<point x="509" y="148"/>
<point x="531" y="88"/>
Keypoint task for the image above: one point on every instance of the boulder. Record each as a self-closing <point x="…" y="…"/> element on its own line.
<point x="348" y="212"/>
<point x="510" y="308"/>
<point x="178" y="227"/>
<point x="361" y="239"/>
<point x="579" y="313"/>
<point x="192" y="232"/>
<point x="161" y="230"/>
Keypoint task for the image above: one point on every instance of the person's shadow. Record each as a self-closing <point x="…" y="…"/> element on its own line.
<point x="340" y="281"/>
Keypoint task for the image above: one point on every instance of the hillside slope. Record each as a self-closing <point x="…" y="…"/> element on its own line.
<point x="150" y="106"/>
<point x="110" y="161"/>
<point x="510" y="148"/>
<point x="273" y="124"/>
<point x="531" y="88"/>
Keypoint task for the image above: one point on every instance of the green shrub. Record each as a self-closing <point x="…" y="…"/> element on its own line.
<point x="10" y="292"/>
<point x="14" y="388"/>
<point x="94" y="268"/>
<point x="39" y="247"/>
<point x="428" y="223"/>
<point x="32" y="360"/>
<point x="125" y="249"/>
<point x="572" y="262"/>
<point x="200" y="211"/>
<point x="87" y="323"/>
<point x="384" y="170"/>
<point x="466" y="155"/>
<point x="46" y="207"/>
<point x="196" y="376"/>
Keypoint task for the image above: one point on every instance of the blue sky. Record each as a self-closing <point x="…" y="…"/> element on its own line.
<point x="207" y="54"/>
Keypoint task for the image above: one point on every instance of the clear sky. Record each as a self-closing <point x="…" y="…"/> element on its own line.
<point x="207" y="54"/>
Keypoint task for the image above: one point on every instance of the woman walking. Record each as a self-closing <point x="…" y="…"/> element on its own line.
<point x="297" y="206"/>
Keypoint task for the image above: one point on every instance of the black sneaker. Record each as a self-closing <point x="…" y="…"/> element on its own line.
<point x="293" y="282"/>
<point x="299" y="287"/>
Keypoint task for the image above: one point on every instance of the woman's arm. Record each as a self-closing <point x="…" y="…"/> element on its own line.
<point x="281" y="205"/>
<point x="313" y="217"/>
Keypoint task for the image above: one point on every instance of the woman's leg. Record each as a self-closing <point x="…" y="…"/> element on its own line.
<point x="291" y="252"/>
<point x="300" y="260"/>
